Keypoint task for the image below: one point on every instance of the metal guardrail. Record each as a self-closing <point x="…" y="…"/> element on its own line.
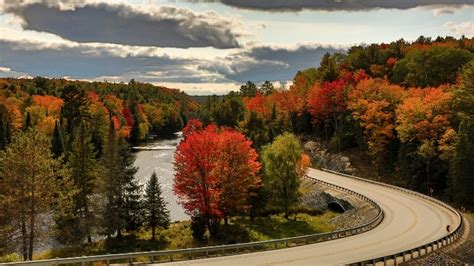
<point x="203" y="252"/>
<point x="421" y="250"/>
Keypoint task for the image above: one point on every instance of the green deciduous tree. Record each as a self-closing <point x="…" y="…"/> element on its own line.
<point x="431" y="67"/>
<point x="229" y="111"/>
<point x="284" y="164"/>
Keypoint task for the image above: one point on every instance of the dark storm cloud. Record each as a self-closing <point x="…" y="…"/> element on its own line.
<point x="334" y="5"/>
<point x="122" y="24"/>
<point x="269" y="63"/>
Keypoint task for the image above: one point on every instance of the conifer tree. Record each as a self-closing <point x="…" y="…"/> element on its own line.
<point x="5" y="127"/>
<point x="156" y="213"/>
<point x="57" y="142"/>
<point x="121" y="191"/>
<point x="27" y="122"/>
<point x="73" y="111"/>
<point x="85" y="170"/>
<point x="111" y="186"/>
<point x="132" y="214"/>
<point x="135" y="134"/>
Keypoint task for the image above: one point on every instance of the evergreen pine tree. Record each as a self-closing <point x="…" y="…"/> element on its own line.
<point x="111" y="186"/>
<point x="85" y="171"/>
<point x="27" y="122"/>
<point x="122" y="192"/>
<point x="5" y="127"/>
<point x="132" y="214"/>
<point x="73" y="111"/>
<point x="57" y="142"/>
<point x="156" y="213"/>
<point x="135" y="134"/>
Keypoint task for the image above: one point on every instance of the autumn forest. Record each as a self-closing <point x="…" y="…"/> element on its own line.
<point x="405" y="109"/>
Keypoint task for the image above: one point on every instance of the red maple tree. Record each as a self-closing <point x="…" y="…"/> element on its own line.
<point x="215" y="169"/>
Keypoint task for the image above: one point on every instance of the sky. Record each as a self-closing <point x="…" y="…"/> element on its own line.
<point x="206" y="46"/>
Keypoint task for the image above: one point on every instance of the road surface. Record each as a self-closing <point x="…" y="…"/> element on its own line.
<point x="409" y="222"/>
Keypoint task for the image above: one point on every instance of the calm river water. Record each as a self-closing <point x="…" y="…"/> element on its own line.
<point x="160" y="159"/>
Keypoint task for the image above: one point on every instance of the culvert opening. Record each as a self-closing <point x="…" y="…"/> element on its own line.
<point x="336" y="207"/>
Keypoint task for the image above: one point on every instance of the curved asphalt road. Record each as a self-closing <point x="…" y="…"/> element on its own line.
<point x="409" y="222"/>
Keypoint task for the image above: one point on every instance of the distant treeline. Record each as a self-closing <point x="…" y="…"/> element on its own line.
<point x="137" y="109"/>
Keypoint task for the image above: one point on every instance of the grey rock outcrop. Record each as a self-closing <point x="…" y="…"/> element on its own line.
<point x="322" y="158"/>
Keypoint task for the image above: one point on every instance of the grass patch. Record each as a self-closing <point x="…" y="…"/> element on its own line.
<point x="178" y="235"/>
<point x="242" y="229"/>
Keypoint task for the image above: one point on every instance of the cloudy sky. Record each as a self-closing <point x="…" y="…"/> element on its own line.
<point x="206" y="46"/>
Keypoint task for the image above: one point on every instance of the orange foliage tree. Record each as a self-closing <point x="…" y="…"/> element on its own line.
<point x="51" y="104"/>
<point x="423" y="119"/>
<point x="373" y="103"/>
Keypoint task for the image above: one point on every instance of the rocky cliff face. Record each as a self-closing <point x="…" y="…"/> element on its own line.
<point x="322" y="158"/>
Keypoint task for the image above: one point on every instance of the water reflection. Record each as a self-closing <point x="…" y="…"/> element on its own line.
<point x="158" y="156"/>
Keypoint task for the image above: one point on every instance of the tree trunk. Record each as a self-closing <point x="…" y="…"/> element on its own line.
<point x="153" y="229"/>
<point x="428" y="170"/>
<point x="24" y="246"/>
<point x="32" y="220"/>
<point x="338" y="131"/>
<point x="23" y="235"/>
<point x="87" y="217"/>
<point x="212" y="225"/>
<point x="286" y="203"/>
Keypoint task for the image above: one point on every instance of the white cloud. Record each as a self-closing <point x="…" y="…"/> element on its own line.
<point x="5" y="69"/>
<point x="464" y="28"/>
<point x="203" y="88"/>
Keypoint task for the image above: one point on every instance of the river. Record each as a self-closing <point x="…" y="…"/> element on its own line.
<point x="159" y="158"/>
